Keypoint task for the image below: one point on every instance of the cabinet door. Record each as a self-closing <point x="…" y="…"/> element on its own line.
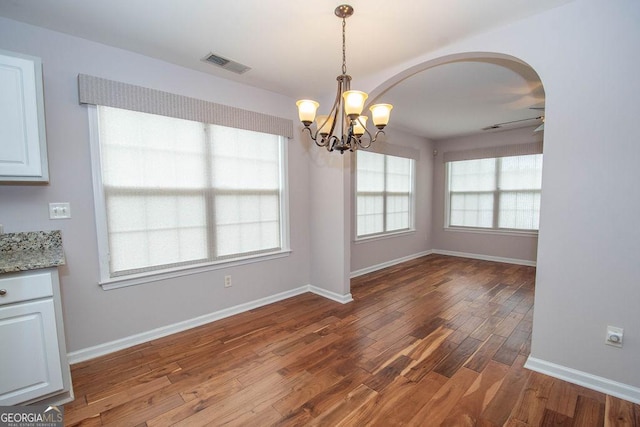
<point x="29" y="355"/>
<point x="23" y="152"/>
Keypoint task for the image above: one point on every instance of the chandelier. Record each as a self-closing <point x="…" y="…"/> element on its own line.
<point x="347" y="109"/>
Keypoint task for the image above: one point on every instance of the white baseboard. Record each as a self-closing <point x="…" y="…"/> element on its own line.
<point x="604" y="385"/>
<point x="393" y="262"/>
<point x="486" y="257"/>
<point x="130" y="341"/>
<point x="343" y="299"/>
<point x="386" y="264"/>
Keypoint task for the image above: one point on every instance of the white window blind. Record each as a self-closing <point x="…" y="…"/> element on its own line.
<point x="500" y="193"/>
<point x="179" y="192"/>
<point x="520" y="185"/>
<point x="472" y="183"/>
<point x="246" y="182"/>
<point x="384" y="193"/>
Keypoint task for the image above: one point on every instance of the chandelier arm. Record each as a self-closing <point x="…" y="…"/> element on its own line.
<point x="372" y="138"/>
<point x="343" y="85"/>
<point x="314" y="136"/>
<point x="333" y="112"/>
<point x="375" y="137"/>
<point x="309" y="130"/>
<point x="351" y="138"/>
<point x="335" y="109"/>
<point x="358" y="139"/>
<point x="364" y="146"/>
<point x="356" y="143"/>
<point x="334" y="140"/>
<point x="324" y="142"/>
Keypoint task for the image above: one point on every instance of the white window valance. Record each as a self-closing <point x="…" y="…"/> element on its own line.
<point x="109" y="93"/>
<point x="493" y="152"/>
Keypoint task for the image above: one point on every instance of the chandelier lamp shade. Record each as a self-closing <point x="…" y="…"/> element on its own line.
<point x="345" y="126"/>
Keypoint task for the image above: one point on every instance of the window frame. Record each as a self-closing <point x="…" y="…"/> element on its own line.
<point x="107" y="282"/>
<point x="412" y="202"/>
<point x="494" y="229"/>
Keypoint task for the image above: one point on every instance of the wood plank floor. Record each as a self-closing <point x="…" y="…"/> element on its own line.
<point x="434" y="341"/>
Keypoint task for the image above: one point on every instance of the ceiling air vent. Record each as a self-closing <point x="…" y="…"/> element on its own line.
<point x="225" y="63"/>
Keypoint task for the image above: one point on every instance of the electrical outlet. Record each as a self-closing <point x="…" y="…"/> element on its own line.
<point x="227" y="281"/>
<point x="59" y="210"/>
<point x="614" y="336"/>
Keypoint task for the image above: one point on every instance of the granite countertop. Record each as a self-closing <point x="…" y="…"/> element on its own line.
<point x="30" y="250"/>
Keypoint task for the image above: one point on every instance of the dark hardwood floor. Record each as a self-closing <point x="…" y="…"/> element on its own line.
<point x="434" y="341"/>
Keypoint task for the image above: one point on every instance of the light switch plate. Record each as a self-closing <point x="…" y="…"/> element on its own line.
<point x="59" y="210"/>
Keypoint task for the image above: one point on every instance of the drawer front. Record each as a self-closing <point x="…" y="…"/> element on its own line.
<point x="25" y="286"/>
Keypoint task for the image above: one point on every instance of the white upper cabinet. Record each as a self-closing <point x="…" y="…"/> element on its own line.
<point x="23" y="146"/>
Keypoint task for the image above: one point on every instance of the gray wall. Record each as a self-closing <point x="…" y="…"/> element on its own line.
<point x="93" y="316"/>
<point x="518" y="247"/>
<point x="328" y="226"/>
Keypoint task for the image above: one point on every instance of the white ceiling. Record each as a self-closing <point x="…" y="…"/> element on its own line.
<point x="461" y="98"/>
<point x="293" y="48"/>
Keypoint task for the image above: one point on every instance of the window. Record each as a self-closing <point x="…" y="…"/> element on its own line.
<point x="180" y="192"/>
<point x="495" y="193"/>
<point x="384" y="193"/>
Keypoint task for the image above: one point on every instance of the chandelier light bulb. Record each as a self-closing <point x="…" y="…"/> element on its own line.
<point x="359" y="125"/>
<point x="354" y="102"/>
<point x="380" y="114"/>
<point x="307" y="111"/>
<point x="324" y="124"/>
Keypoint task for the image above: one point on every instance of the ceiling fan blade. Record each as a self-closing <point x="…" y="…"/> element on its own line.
<point x="499" y="125"/>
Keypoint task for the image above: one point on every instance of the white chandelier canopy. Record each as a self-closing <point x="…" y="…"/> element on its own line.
<point x="346" y="114"/>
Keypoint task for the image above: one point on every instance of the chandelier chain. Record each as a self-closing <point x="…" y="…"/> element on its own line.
<point x="344" y="48"/>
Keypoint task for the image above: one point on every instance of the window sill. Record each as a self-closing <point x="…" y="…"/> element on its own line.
<point x="375" y="237"/>
<point x="504" y="232"/>
<point x="154" y="276"/>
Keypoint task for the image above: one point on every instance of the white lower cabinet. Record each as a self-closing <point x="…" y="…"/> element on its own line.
<point x="29" y="356"/>
<point x="33" y="363"/>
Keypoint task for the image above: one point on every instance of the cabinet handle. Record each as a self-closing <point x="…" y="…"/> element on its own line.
<point x="3" y="292"/>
